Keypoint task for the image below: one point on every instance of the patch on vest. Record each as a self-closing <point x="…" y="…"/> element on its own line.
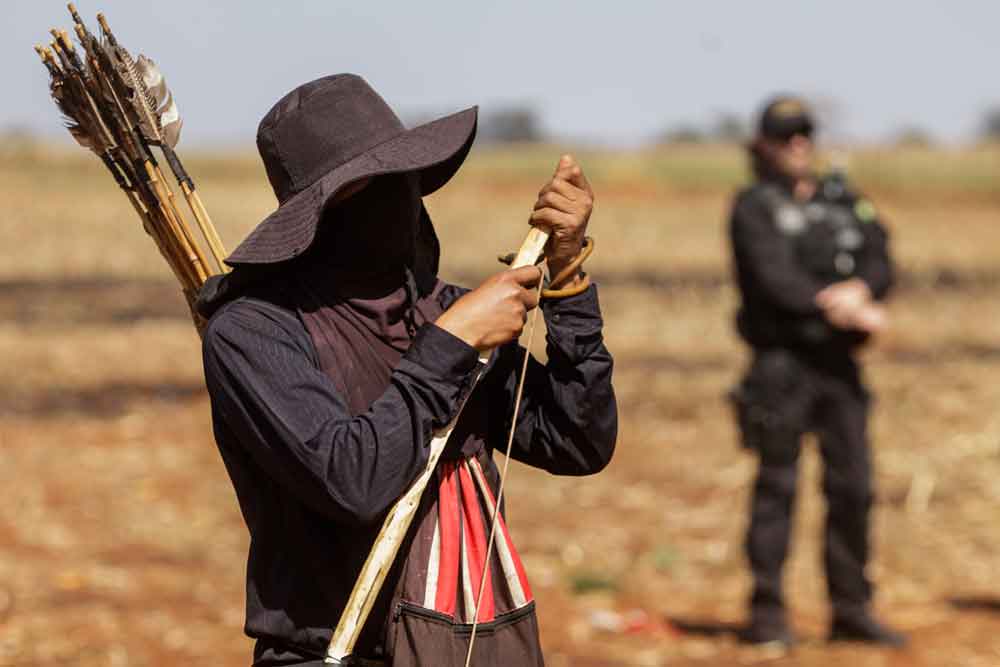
<point x="833" y="189"/>
<point x="844" y="263"/>
<point x="864" y="210"/>
<point x="790" y="219"/>
<point x="816" y="211"/>
<point x="850" y="238"/>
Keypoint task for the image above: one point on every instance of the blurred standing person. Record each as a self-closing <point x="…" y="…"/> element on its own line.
<point x="812" y="264"/>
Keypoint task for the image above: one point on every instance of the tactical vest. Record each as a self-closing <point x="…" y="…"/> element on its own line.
<point x="825" y="231"/>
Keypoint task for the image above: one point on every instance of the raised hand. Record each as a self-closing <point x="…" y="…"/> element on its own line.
<point x="563" y="209"/>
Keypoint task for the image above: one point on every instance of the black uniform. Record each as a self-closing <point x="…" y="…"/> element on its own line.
<point x="803" y="377"/>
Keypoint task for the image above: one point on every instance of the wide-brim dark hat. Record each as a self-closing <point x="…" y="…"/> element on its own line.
<point x="330" y="133"/>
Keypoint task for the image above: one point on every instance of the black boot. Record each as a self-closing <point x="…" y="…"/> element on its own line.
<point x="864" y="628"/>
<point x="767" y="630"/>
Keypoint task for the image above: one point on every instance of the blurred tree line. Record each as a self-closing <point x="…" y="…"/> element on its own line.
<point x="727" y="127"/>
<point x="522" y="123"/>
<point x="730" y="127"/>
<point x="513" y="124"/>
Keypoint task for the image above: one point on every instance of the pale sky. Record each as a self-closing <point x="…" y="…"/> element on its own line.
<point x="612" y="73"/>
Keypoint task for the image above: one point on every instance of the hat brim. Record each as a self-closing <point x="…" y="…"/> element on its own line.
<point x="436" y="149"/>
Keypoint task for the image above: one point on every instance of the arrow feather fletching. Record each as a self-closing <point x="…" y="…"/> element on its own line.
<point x="67" y="109"/>
<point x="160" y="99"/>
<point x="138" y="96"/>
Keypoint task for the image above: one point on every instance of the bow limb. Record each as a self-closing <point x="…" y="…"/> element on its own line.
<point x="531" y="249"/>
<point x="397" y="522"/>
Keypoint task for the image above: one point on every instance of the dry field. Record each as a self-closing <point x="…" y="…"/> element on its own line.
<point x="120" y="539"/>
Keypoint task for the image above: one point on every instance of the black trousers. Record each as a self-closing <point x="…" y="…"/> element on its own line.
<point x="824" y="396"/>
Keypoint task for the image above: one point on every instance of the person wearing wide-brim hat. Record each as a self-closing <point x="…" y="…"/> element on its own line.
<point x="813" y="268"/>
<point x="333" y="352"/>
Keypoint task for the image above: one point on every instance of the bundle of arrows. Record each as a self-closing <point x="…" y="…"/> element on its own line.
<point x="120" y="108"/>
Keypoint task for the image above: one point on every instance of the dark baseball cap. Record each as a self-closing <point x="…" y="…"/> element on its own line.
<point x="784" y="117"/>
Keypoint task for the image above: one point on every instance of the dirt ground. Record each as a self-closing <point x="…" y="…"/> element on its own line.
<point x="120" y="538"/>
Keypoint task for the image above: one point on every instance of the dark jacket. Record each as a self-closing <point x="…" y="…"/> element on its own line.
<point x="785" y="252"/>
<point x="314" y="482"/>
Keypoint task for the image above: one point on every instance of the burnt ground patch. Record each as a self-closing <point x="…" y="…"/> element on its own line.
<point x="108" y="300"/>
<point x="105" y="400"/>
<point x="941" y="278"/>
<point x="976" y="603"/>
<point x="89" y="301"/>
<point x="950" y="353"/>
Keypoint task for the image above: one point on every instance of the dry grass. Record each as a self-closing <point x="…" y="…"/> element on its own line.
<point x="122" y="543"/>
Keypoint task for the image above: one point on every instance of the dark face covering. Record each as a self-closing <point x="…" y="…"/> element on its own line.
<point x="359" y="296"/>
<point x="372" y="235"/>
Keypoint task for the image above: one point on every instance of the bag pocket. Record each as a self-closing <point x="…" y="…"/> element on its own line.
<point x="424" y="638"/>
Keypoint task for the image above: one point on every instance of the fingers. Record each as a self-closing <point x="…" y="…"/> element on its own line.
<point x="874" y="319"/>
<point x="846" y="314"/>
<point x="845" y="294"/>
<point x="570" y="170"/>
<point x="565" y="188"/>
<point x="561" y="197"/>
<point x="529" y="299"/>
<point x="551" y="219"/>
<point x="564" y="167"/>
<point x="830" y="296"/>
<point x="526" y="276"/>
<point x="553" y="198"/>
<point x="568" y="190"/>
<point x="845" y="301"/>
<point x="823" y="297"/>
<point x="840" y="317"/>
<point x="526" y="279"/>
<point x="833" y="300"/>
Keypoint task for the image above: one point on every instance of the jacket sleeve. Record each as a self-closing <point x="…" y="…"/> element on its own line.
<point x="290" y="418"/>
<point x="768" y="259"/>
<point x="568" y="422"/>
<point x="876" y="267"/>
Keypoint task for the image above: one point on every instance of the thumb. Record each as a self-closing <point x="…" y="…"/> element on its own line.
<point x="569" y="170"/>
<point x="565" y="167"/>
<point x="526" y="276"/>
